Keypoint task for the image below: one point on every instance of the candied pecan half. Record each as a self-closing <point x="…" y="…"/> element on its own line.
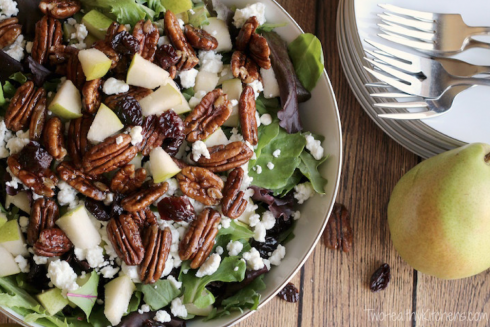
<point x="144" y="198"/>
<point x="81" y="182"/>
<point x="144" y="217"/>
<point x="92" y="97"/>
<point x="244" y="68"/>
<point x="9" y="31"/>
<point x="136" y="92"/>
<point x="338" y="233"/>
<point x="247" y="112"/>
<point x="226" y="157"/>
<point x="60" y="9"/>
<point x="207" y="116"/>
<point x="147" y="35"/>
<point x="260" y="51"/>
<point x="172" y="29"/>
<point x="128" y="179"/>
<point x="74" y="70"/>
<point x="77" y="142"/>
<point x="233" y="204"/>
<point x="114" y="29"/>
<point x="44" y="213"/>
<point x="54" y="138"/>
<point x="49" y="33"/>
<point x="157" y="248"/>
<point x="167" y="58"/>
<point x="246" y="32"/>
<point x="153" y="135"/>
<point x="24" y="102"/>
<point x="200" y="39"/>
<point x="107" y="49"/>
<point x="199" y="239"/>
<point x="124" y="235"/>
<point x="38" y="120"/>
<point x="176" y="208"/>
<point x="52" y="242"/>
<point x="109" y="155"/>
<point x="200" y="184"/>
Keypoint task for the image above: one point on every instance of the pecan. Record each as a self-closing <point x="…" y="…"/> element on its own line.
<point x="81" y="182"/>
<point x="246" y="32"/>
<point x="147" y="35"/>
<point x="225" y="157"/>
<point x="199" y="239"/>
<point x="338" y="233"/>
<point x="157" y="248"/>
<point x="127" y="179"/>
<point x="9" y="31"/>
<point x="260" y="51"/>
<point x="247" y="112"/>
<point x="380" y="278"/>
<point x="244" y="68"/>
<point x="144" y="198"/>
<point x="200" y="184"/>
<point x="208" y="116"/>
<point x="44" y="213"/>
<point x="200" y="39"/>
<point x="49" y="34"/>
<point x="74" y="70"/>
<point x="136" y="92"/>
<point x="54" y="138"/>
<point x="113" y="30"/>
<point x="109" y="155"/>
<point x="38" y="119"/>
<point x="172" y="29"/>
<point x="59" y="55"/>
<point x="152" y="134"/>
<point x="233" y="204"/>
<point x="165" y="131"/>
<point x="25" y="101"/>
<point x="124" y="235"/>
<point x="107" y="49"/>
<point x="92" y="97"/>
<point x="167" y="58"/>
<point x="77" y="142"/>
<point x="60" y="9"/>
<point x="144" y="217"/>
<point x="52" y="242"/>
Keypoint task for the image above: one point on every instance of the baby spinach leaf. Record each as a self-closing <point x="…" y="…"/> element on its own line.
<point x="2" y="97"/>
<point x="86" y="296"/>
<point x="309" y="168"/>
<point x="290" y="184"/>
<point x="98" y="318"/>
<point x="124" y="11"/>
<point x="134" y="303"/>
<point x="270" y="106"/>
<point x="159" y="297"/>
<point x="15" y="296"/>
<point x="9" y="90"/>
<point x="236" y="231"/>
<point x="306" y="53"/>
<point x="266" y="135"/>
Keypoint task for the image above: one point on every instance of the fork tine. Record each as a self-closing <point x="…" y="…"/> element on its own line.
<point x="407" y="42"/>
<point x="397" y="29"/>
<point x="408" y="12"/>
<point x="381" y="85"/>
<point x="395" y="72"/>
<point x="423" y="26"/>
<point x="393" y="52"/>
<point x="411" y="115"/>
<point x="394" y="62"/>
<point x="392" y="95"/>
<point x="401" y="105"/>
<point x="390" y="80"/>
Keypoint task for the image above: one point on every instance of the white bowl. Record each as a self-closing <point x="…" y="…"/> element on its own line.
<point x="319" y="115"/>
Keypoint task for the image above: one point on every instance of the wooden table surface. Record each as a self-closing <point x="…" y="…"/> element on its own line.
<point x="333" y="285"/>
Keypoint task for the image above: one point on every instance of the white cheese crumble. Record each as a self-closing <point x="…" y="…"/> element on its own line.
<point x="162" y="316"/>
<point x="23" y="223"/>
<point x="40" y="260"/>
<point x="67" y="194"/>
<point x="234" y="247"/>
<point x="267" y="264"/>
<point x="303" y="192"/>
<point x="5" y="135"/>
<point x="62" y="275"/>
<point x="259" y="232"/>
<point x="109" y="197"/>
<point x="94" y="256"/>
<point x="209" y="266"/>
<point x="253" y="259"/>
<point x="109" y="271"/>
<point x="266" y="119"/>
<point x="257" y="86"/>
<point x="196" y="99"/>
<point x="18" y="142"/>
<point x="314" y="146"/>
<point x="270" y="165"/>
<point x="221" y="9"/>
<point x="175" y="282"/>
<point x="119" y="140"/>
<point x="114" y="86"/>
<point x="16" y="49"/>
<point x="8" y="8"/>
<point x="268" y="220"/>
<point x="29" y="45"/>
<point x="188" y="78"/>
<point x="296" y="215"/>
<point x="163" y="40"/>
<point x="256" y="9"/>
<point x="253" y="220"/>
<point x="136" y="136"/>
<point x="276" y="153"/>
<point x="131" y="272"/>
<point x="169" y="265"/>
<point x="225" y="222"/>
<point x="144" y="308"/>
<point x="199" y="149"/>
<point x="258" y="169"/>
<point x="178" y="309"/>
<point x="181" y="23"/>
<point x="210" y="61"/>
<point x="80" y="34"/>
<point x="278" y="255"/>
<point x="219" y="250"/>
<point x="22" y="263"/>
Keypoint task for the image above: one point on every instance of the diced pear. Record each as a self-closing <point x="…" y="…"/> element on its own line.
<point x="118" y="293"/>
<point x="3" y="219"/>
<point x="68" y="30"/>
<point x="162" y="165"/>
<point x="184" y="16"/>
<point x="163" y="99"/>
<point x="220" y="31"/>
<point x="90" y="40"/>
<point x="198" y="16"/>
<point x="77" y="226"/>
<point x="233" y="88"/>
<point x="52" y="300"/>
<point x="136" y="161"/>
<point x="271" y="86"/>
<point x="11" y="238"/>
<point x="206" y="81"/>
<point x="193" y="310"/>
<point x="177" y="6"/>
<point x="184" y="106"/>
<point x="20" y="200"/>
<point x="8" y="266"/>
<point x="226" y="74"/>
<point x="105" y="124"/>
<point x="217" y="138"/>
<point x="95" y="63"/>
<point x="67" y="102"/>
<point x="97" y="23"/>
<point x="146" y="74"/>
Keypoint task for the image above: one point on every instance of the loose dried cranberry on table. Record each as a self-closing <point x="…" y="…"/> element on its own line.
<point x="176" y="208"/>
<point x="380" y="278"/>
<point x="289" y="293"/>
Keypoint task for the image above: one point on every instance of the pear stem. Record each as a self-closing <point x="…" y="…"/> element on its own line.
<point x="487" y="158"/>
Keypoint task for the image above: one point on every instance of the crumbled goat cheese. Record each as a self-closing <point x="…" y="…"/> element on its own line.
<point x="314" y="146"/>
<point x="169" y="265"/>
<point x="253" y="220"/>
<point x="136" y="136"/>
<point x="119" y="140"/>
<point x="109" y="271"/>
<point x="5" y="135"/>
<point x="303" y="192"/>
<point x="67" y="194"/>
<point x="23" y="223"/>
<point x="131" y="272"/>
<point x="278" y="255"/>
<point x="18" y="142"/>
<point x="209" y="266"/>
<point x="80" y="34"/>
<point x="162" y="316"/>
<point x="40" y="260"/>
<point x="219" y="250"/>
<point x="15" y="182"/>
<point x="257" y="86"/>
<point x="163" y="40"/>
<point x="29" y="45"/>
<point x="259" y="232"/>
<point x="256" y="9"/>
<point x="234" y="103"/>
<point x="188" y="78"/>
<point x="109" y="197"/>
<point x="144" y="308"/>
<point x="235" y="136"/>
<point x="267" y="263"/>
<point x="225" y="222"/>
<point x="234" y="247"/>
<point x="221" y="9"/>
<point x="62" y="275"/>
<point x="236" y="269"/>
<point x="258" y="169"/>
<point x="174" y="282"/>
<point x="296" y="215"/>
<point x="16" y="49"/>
<point x="196" y="99"/>
<point x="173" y="186"/>
<point x="8" y="8"/>
<point x="178" y="309"/>
<point x="268" y="220"/>
<point x="94" y="256"/>
<point x="270" y="165"/>
<point x="22" y="263"/>
<point x="199" y="149"/>
<point x="71" y="21"/>
<point x="276" y="153"/>
<point x="257" y="118"/>
<point x="253" y="259"/>
<point x="210" y="61"/>
<point x="115" y="86"/>
<point x="147" y="167"/>
<point x="181" y="23"/>
<point x="266" y="119"/>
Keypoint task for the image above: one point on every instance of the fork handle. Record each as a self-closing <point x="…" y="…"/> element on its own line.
<point x="469" y="81"/>
<point x="477" y="44"/>
<point x="480" y="30"/>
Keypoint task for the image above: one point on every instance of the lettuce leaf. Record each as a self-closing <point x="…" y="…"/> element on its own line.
<point x="16" y="297"/>
<point x="123" y="11"/>
<point x="160" y="296"/>
<point x="268" y="27"/>
<point x="236" y="231"/>
<point x="50" y="321"/>
<point x="86" y="296"/>
<point x="306" y="53"/>
<point x="309" y="168"/>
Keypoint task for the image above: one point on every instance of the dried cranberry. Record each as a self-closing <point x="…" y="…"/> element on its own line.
<point x="34" y="158"/>
<point x="281" y="225"/>
<point x="176" y="208"/>
<point x="289" y="293"/>
<point x="173" y="128"/>
<point x="129" y="111"/>
<point x="266" y="248"/>
<point x="380" y="278"/>
<point x="125" y="43"/>
<point x="116" y="208"/>
<point x="166" y="56"/>
<point x="37" y="275"/>
<point x="216" y="288"/>
<point x="97" y="209"/>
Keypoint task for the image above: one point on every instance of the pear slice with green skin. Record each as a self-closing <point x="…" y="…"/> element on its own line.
<point x="184" y="106"/>
<point x="233" y="88"/>
<point x="97" y="23"/>
<point x="146" y="74"/>
<point x="105" y="124"/>
<point x="217" y="138"/>
<point x="12" y="239"/>
<point x="80" y="230"/>
<point x="67" y="103"/>
<point x="177" y="6"/>
<point x="219" y="30"/>
<point x="85" y="296"/>
<point x="95" y="64"/>
<point x="68" y="30"/>
<point x="162" y="165"/>
<point x="9" y="266"/>
<point x="206" y="81"/>
<point x="20" y="200"/>
<point x="163" y="99"/>
<point x="198" y="17"/>
<point x="52" y="300"/>
<point x="118" y="293"/>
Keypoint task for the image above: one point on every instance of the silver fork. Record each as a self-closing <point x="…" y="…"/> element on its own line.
<point x="437" y="34"/>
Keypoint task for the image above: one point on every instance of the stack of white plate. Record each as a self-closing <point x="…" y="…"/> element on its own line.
<point x="467" y="122"/>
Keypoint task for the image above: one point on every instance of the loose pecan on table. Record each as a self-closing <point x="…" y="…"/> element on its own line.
<point x="199" y="239"/>
<point x="44" y="213"/>
<point x="201" y="185"/>
<point x="167" y="58"/>
<point x="233" y="204"/>
<point x="144" y="217"/>
<point x="77" y="142"/>
<point x="380" y="278"/>
<point x="124" y="235"/>
<point x="157" y="244"/>
<point x="38" y="120"/>
<point x="128" y="179"/>
<point x="136" y="92"/>
<point x="247" y="112"/>
<point x="54" y="138"/>
<point x="24" y="102"/>
<point x="200" y="39"/>
<point x="60" y="9"/>
<point x="246" y="32"/>
<point x="244" y="68"/>
<point x="109" y="155"/>
<point x="92" y="97"/>
<point x="143" y="198"/>
<point x="80" y="181"/>
<point x="52" y="242"/>
<point x="147" y="35"/>
<point x="225" y="157"/>
<point x="49" y="33"/>
<point x="207" y="116"/>
<point x="173" y="30"/>
<point x="338" y="233"/>
<point x="10" y="29"/>
<point x="176" y="208"/>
